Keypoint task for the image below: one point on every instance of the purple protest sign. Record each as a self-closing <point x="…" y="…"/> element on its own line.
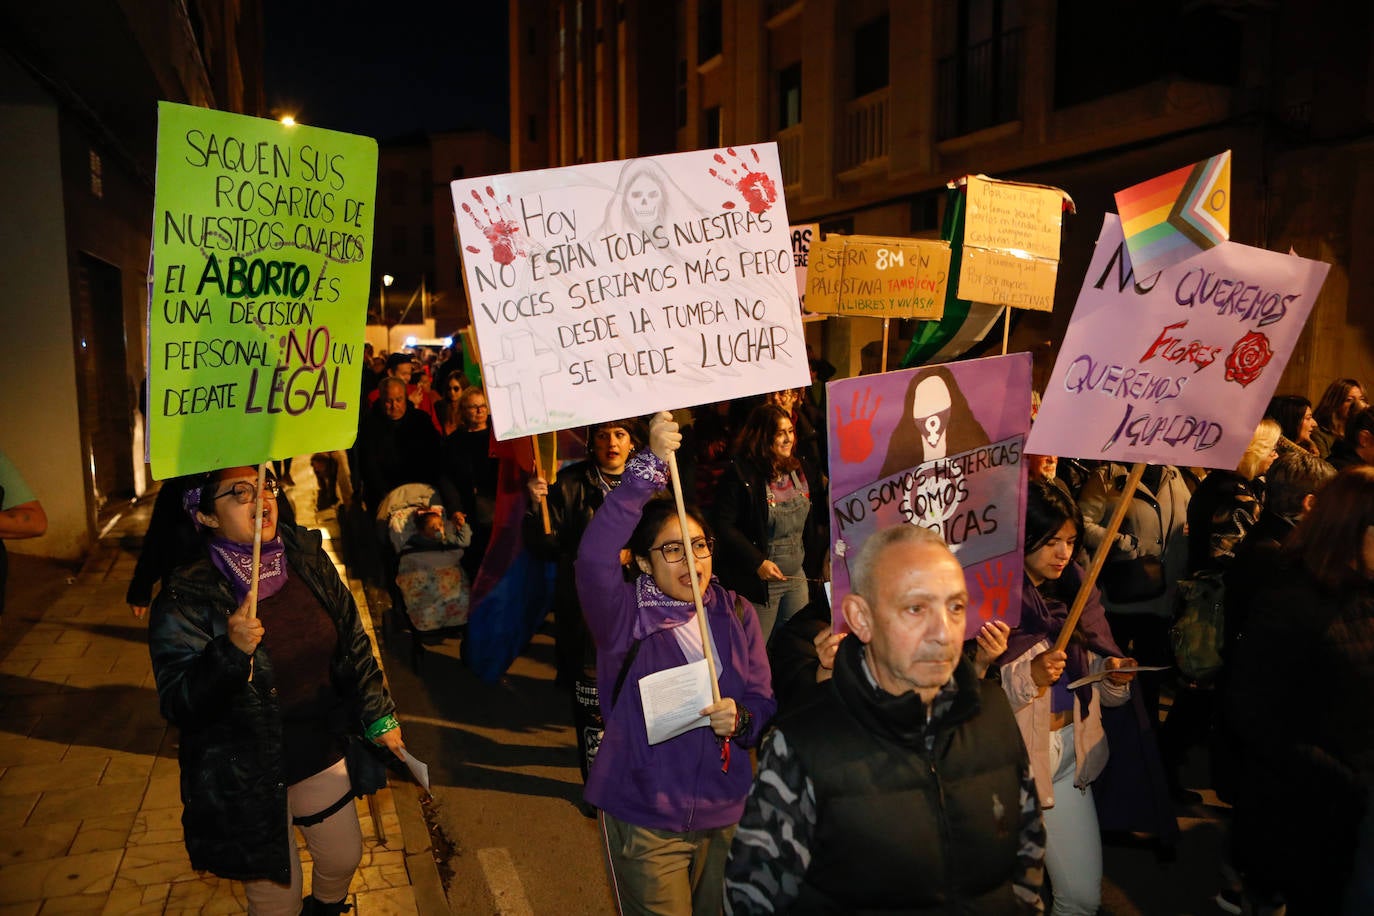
<point x="940" y="447"/>
<point x="1178" y="366"/>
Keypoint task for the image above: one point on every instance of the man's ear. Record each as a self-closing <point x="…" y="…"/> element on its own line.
<point x="1365" y="439"/>
<point x="209" y="521"/>
<point x="1308" y="502"/>
<point x="858" y="615"/>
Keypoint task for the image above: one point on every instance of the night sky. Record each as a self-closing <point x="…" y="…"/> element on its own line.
<point x="388" y="69"/>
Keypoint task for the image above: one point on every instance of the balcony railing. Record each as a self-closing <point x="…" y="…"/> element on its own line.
<point x="979" y="86"/>
<point x="865" y="135"/>
<point x="790" y="155"/>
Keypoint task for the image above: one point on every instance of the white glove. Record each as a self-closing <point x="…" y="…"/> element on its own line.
<point x="664" y="437"/>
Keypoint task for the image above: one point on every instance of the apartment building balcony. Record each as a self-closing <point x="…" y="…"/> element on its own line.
<point x="979" y="86"/>
<point x="865" y="131"/>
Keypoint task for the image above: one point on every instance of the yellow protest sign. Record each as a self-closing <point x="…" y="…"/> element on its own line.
<point x="1011" y="244"/>
<point x="877" y="277"/>
<point x="1003" y="278"/>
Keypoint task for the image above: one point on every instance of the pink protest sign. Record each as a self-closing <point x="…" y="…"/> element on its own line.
<point x="1175" y="367"/>
<point x="940" y="447"/>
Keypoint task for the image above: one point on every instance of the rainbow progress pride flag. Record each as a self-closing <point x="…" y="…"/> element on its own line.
<point x="1171" y="218"/>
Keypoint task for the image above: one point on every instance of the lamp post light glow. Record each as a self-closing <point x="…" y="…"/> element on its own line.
<point x="288" y="121"/>
<point x="387" y="280"/>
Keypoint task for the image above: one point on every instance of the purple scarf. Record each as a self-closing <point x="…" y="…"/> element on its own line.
<point x="1043" y="618"/>
<point x="235" y="560"/>
<point x="658" y="611"/>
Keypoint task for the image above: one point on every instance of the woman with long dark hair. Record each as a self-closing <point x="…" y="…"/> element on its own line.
<point x="668" y="809"/>
<point x="448" y="409"/>
<point x="1293" y="413"/>
<point x="1062" y="727"/>
<point x="1342" y="399"/>
<point x="1299" y="703"/>
<point x="770" y="511"/>
<point x="267" y="705"/>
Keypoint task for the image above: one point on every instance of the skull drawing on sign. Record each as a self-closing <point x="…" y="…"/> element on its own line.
<point x="930" y="413"/>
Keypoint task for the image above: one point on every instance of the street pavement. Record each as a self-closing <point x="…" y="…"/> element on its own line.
<point x="89" y="800"/>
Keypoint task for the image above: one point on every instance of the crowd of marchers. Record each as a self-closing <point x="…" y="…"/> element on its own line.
<point x="863" y="757"/>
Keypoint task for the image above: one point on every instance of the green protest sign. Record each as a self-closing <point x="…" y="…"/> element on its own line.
<point x="257" y="291"/>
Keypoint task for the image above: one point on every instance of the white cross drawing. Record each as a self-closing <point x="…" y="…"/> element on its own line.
<point x="521" y="374"/>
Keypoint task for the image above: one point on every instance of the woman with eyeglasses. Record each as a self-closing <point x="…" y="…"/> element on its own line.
<point x="771" y="513"/>
<point x="668" y="810"/>
<point x="266" y="704"/>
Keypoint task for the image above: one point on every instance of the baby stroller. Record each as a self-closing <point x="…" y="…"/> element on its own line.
<point x="429" y="590"/>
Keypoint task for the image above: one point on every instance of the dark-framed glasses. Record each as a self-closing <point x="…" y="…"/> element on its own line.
<point x="674" y="552"/>
<point x="245" y="492"/>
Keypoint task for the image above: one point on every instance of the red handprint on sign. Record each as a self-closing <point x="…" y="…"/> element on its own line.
<point x="501" y="230"/>
<point x="994" y="581"/>
<point x="757" y="189"/>
<point x="856" y="434"/>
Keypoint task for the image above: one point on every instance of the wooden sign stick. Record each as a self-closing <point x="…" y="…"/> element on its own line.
<point x="884" y="360"/>
<point x="1100" y="557"/>
<point x="539" y="472"/>
<point x="1006" y="327"/>
<point x="690" y="560"/>
<point x="257" y="544"/>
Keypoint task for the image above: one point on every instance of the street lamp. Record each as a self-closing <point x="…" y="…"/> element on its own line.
<point x="387" y="280"/>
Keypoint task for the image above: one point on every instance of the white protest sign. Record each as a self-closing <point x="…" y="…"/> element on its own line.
<point x="622" y="288"/>
<point x="1178" y="366"/>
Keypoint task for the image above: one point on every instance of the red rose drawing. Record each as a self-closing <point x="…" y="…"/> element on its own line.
<point x="1248" y="358"/>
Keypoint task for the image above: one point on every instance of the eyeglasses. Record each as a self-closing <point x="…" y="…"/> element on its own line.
<point x="455" y="387"/>
<point x="674" y="552"/>
<point x="245" y="492"/>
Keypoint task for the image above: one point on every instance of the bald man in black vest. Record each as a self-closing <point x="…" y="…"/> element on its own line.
<point x="903" y="786"/>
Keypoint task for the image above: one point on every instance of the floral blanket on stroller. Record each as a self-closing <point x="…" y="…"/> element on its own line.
<point x="428" y="547"/>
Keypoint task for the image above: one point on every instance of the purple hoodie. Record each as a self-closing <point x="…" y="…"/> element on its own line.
<point x="676" y="785"/>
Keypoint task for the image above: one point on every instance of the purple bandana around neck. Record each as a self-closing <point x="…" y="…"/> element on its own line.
<point x="659" y="611"/>
<point x="235" y="560"/>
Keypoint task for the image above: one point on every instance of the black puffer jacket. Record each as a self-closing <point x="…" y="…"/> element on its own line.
<point x="231" y="728"/>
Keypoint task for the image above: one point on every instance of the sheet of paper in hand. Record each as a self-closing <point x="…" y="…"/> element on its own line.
<point x="674" y="698"/>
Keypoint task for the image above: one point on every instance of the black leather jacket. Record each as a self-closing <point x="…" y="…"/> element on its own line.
<point x="227" y="710"/>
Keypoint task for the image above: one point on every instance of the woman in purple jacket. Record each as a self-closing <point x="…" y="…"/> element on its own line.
<point x="668" y="810"/>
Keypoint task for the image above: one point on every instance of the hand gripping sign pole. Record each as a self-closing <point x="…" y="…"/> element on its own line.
<point x="538" y="473"/>
<point x="1100" y="557"/>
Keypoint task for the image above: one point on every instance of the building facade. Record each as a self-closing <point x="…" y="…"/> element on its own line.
<point x="415" y="239"/>
<point x="79" y="86"/>
<point x="877" y="104"/>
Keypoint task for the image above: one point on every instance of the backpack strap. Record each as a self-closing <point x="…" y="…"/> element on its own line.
<point x="624" y="671"/>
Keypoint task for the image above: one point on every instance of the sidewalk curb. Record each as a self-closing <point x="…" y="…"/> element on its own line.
<point x="430" y="899"/>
